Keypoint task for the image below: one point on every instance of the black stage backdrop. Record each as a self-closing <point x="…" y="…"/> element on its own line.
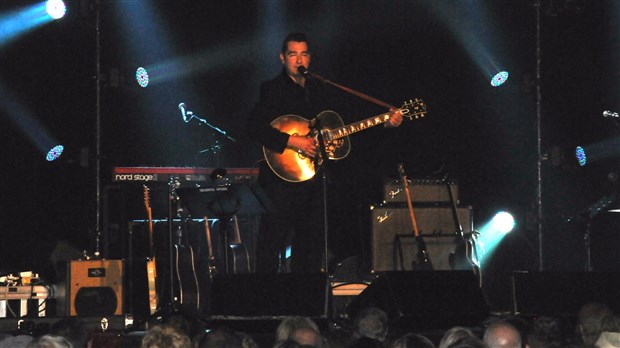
<point x="212" y="55"/>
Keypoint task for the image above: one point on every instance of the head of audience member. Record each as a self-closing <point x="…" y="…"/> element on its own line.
<point x="72" y="329"/>
<point x="590" y="317"/>
<point x="453" y="335"/>
<point x="185" y="323"/>
<point x="50" y="341"/>
<point x="165" y="336"/>
<point x="608" y="340"/>
<point x="412" y="340"/>
<point x="366" y="342"/>
<point x="225" y="337"/>
<point x="337" y="337"/>
<point x="610" y="323"/>
<point x="291" y="344"/>
<point x="502" y="335"/>
<point x="299" y="329"/>
<point x="371" y="322"/>
<point x="523" y="326"/>
<point x="469" y="342"/>
<point x="546" y="332"/>
<point x="19" y="341"/>
<point x="610" y="332"/>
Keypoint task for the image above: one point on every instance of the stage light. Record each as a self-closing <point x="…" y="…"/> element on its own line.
<point x="54" y="153"/>
<point x="499" y="78"/>
<point x="503" y="222"/>
<point x="14" y="24"/>
<point x="142" y="77"/>
<point x="55" y="8"/>
<point x="603" y="150"/>
<point x="580" y="154"/>
<point x="492" y="233"/>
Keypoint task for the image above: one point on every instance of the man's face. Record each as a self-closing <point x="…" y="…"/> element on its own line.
<point x="296" y="55"/>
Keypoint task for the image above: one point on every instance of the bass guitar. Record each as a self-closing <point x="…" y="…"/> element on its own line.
<point x="423" y="261"/>
<point x="295" y="167"/>
<point x="151" y="269"/>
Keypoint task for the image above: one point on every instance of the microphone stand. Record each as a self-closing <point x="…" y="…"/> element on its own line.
<point x="217" y="146"/>
<point x="203" y="121"/>
<point x="319" y="129"/>
<point x="302" y="70"/>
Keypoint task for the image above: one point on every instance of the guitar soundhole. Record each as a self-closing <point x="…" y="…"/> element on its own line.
<point x="333" y="146"/>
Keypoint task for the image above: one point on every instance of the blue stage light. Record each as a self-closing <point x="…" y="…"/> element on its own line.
<point x="580" y="153"/>
<point x="16" y="23"/>
<point x="499" y="78"/>
<point x="142" y="77"/>
<point x="492" y="233"/>
<point x="503" y="222"/>
<point x="55" y="8"/>
<point x="54" y="153"/>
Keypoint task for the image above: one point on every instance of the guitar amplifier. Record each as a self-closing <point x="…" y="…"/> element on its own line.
<point x="96" y="287"/>
<point x="435" y="224"/>
<point x="422" y="191"/>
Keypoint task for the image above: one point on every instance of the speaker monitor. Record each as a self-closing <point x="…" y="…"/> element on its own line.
<point x="96" y="288"/>
<point x="425" y="300"/>
<point x="536" y="293"/>
<point x="270" y="295"/>
<point x="435" y="224"/>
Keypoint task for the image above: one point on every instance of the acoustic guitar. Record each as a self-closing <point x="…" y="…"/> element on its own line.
<point x="239" y="258"/>
<point x="295" y="167"/>
<point x="187" y="291"/>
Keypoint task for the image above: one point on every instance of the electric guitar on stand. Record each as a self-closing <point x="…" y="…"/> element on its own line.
<point x="151" y="269"/>
<point x="423" y="262"/>
<point x="211" y="262"/>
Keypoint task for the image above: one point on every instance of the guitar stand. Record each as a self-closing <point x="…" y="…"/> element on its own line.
<point x="468" y="240"/>
<point x="586" y="216"/>
<point x="224" y="201"/>
<point x="172" y="306"/>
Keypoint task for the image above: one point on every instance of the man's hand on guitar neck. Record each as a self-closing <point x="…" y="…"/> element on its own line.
<point x="303" y="145"/>
<point x="396" y="118"/>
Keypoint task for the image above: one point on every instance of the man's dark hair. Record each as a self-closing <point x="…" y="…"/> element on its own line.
<point x="297" y="37"/>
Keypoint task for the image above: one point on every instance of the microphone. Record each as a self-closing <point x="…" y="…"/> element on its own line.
<point x="303" y="71"/>
<point x="607" y="113"/>
<point x="182" y="107"/>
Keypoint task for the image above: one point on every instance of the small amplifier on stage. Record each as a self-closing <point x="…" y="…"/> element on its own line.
<point x="96" y="287"/>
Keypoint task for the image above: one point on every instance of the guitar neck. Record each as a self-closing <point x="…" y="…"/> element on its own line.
<point x="359" y="126"/>
<point x="237" y="235"/>
<point x="149" y="214"/>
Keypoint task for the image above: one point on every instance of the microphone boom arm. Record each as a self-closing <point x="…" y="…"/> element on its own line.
<point x="352" y="91"/>
<point x="203" y="121"/>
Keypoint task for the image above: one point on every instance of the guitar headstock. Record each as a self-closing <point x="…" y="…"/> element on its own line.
<point x="147" y="200"/>
<point x="401" y="171"/>
<point x="415" y="108"/>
